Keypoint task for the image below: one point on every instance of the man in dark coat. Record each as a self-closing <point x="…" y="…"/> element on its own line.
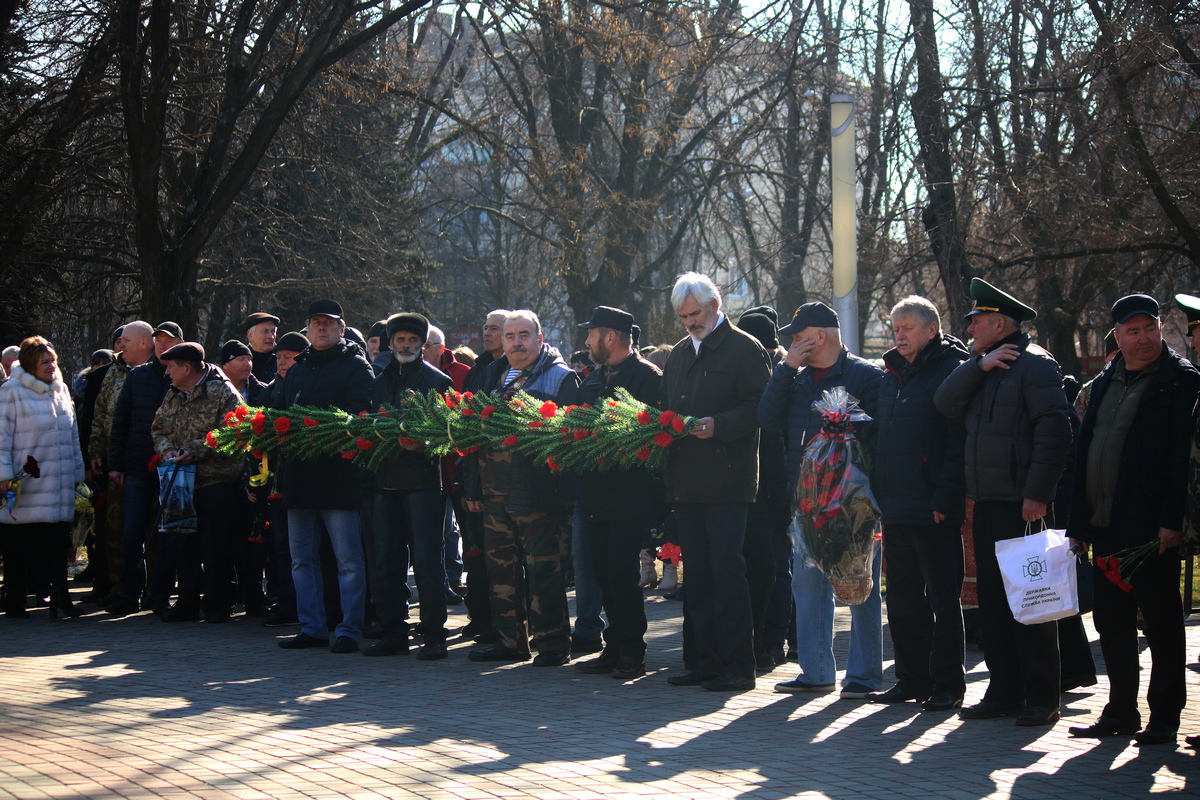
<point x="918" y="483"/>
<point x="817" y="361"/>
<point x="619" y="507"/>
<point x="261" y="329"/>
<point x="1131" y="491"/>
<point x="409" y="507"/>
<point x="523" y="507"/>
<point x="331" y="373"/>
<point x="1010" y="397"/>
<point x="130" y="450"/>
<point x="716" y="373"/>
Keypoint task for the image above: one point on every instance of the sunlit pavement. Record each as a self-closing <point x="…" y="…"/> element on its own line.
<point x="132" y="707"/>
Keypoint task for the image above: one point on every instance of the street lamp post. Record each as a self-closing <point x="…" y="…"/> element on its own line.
<point x="845" y="217"/>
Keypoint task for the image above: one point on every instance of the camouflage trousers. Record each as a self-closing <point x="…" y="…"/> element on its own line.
<point x="525" y="555"/>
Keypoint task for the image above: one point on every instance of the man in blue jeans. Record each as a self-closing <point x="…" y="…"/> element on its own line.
<point x="331" y="373"/>
<point x="816" y="361"/>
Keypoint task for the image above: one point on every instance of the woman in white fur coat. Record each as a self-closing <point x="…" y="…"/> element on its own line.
<point x="37" y="418"/>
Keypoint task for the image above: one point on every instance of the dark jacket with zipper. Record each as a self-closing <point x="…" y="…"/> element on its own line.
<point x="1151" y="487"/>
<point x="338" y="377"/>
<point x="918" y="451"/>
<point x="410" y="471"/>
<point x="724" y="381"/>
<point x="1018" y="430"/>
<point x="130" y="445"/>
<point x="787" y="404"/>
<point x="628" y="494"/>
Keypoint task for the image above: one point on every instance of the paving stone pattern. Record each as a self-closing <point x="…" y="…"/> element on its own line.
<point x="135" y="708"/>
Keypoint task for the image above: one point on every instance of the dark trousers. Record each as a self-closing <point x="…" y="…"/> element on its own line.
<point x="764" y="524"/>
<point x="1156" y="592"/>
<point x="924" y="582"/>
<point x="34" y="553"/>
<point x="1021" y="659"/>
<point x="525" y="555"/>
<point x="281" y="560"/>
<point x="206" y="557"/>
<point x="478" y="600"/>
<point x="615" y="546"/>
<point x="717" y="602"/>
<point x="140" y="513"/>
<point x="780" y="624"/>
<point x="408" y="527"/>
<point x="249" y="554"/>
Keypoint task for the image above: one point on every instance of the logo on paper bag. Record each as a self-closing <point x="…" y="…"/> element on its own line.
<point x="1035" y="569"/>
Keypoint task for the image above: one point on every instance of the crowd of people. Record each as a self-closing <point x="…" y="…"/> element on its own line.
<point x="331" y="545"/>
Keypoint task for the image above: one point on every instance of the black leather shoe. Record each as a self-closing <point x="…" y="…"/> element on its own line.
<point x="601" y="665"/>
<point x="1034" y="716"/>
<point x="1103" y="727"/>
<point x="692" y="678"/>
<point x="1071" y="684"/>
<point x="551" y="658"/>
<point x="432" y="651"/>
<point x="123" y="607"/>
<point x="181" y="613"/>
<point x="453" y="598"/>
<point x="344" y="644"/>
<point x="1156" y="734"/>
<point x="897" y="694"/>
<point x="474" y="628"/>
<point x="986" y="709"/>
<point x="490" y="636"/>
<point x="388" y="646"/>
<point x="581" y="645"/>
<point x="942" y="701"/>
<point x="629" y="668"/>
<point x="281" y="619"/>
<point x="728" y="683"/>
<point x="497" y="652"/>
<point x="301" y="641"/>
<point x="216" y="617"/>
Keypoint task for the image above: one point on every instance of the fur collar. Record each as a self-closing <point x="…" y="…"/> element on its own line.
<point x="33" y="384"/>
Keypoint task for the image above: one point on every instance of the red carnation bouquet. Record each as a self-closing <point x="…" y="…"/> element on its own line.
<point x="837" y="510"/>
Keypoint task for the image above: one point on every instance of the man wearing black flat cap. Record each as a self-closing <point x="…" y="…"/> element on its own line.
<point x="261" y="329"/>
<point x="408" y="506"/>
<point x="331" y="373"/>
<point x="1018" y="436"/>
<point x="1130" y="490"/>
<point x="619" y="507"/>
<point x="237" y="362"/>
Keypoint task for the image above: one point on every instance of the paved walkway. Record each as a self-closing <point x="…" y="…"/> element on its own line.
<point x="133" y="708"/>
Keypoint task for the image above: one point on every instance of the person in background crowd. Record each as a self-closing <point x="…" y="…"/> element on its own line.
<point x="331" y="373"/>
<point x="375" y="343"/>
<point x="716" y="373"/>
<point x="581" y="362"/>
<point x="1085" y="392"/>
<point x="100" y="358"/>
<point x="261" y="329"/>
<point x="442" y="358"/>
<point x="1010" y="398"/>
<point x="237" y="364"/>
<point x="197" y="402"/>
<point x="97" y="568"/>
<point x="618" y="507"/>
<point x="465" y="355"/>
<point x="409" y="506"/>
<point x="918" y="483"/>
<point x="1131" y="489"/>
<point x="134" y="347"/>
<point x="37" y="420"/>
<point x="816" y="361"/>
<point x="129" y="463"/>
<point x="8" y="357"/>
<point x="523" y="506"/>
<point x="1190" y="305"/>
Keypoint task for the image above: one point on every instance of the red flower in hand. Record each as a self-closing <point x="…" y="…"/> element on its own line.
<point x="643" y="417"/>
<point x="509" y="441"/>
<point x="283" y="424"/>
<point x="548" y="409"/>
<point x="807" y="505"/>
<point x="210" y="440"/>
<point x="156" y="459"/>
<point x="663" y="438"/>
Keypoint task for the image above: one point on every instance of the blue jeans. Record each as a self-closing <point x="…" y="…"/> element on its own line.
<point x="304" y="537"/>
<point x="814" y="625"/>
<point x="140" y="513"/>
<point x="589" y="599"/>
<point x="410" y="523"/>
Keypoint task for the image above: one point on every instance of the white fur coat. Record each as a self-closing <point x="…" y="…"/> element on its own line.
<point x="38" y="419"/>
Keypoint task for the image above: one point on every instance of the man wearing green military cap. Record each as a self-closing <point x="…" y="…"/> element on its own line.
<point x="1011" y="400"/>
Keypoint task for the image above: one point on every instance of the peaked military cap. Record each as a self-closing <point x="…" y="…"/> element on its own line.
<point x="1191" y="307"/>
<point x="987" y="299"/>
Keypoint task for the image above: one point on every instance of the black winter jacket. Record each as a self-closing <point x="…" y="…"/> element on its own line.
<point x="787" y="404"/>
<point x="130" y="446"/>
<point x="1018" y="430"/>
<point x="1151" y="490"/>
<point x="410" y="471"/>
<point x="338" y="377"/>
<point x="724" y="381"/>
<point x="630" y="494"/>
<point x="919" y="452"/>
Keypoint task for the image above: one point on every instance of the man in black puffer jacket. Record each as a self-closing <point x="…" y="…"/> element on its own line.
<point x="409" y="510"/>
<point x="331" y="373"/>
<point x="1011" y="399"/>
<point x="918" y="483"/>
<point x="130" y="449"/>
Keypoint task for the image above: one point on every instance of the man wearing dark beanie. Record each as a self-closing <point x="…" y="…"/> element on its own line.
<point x="409" y="512"/>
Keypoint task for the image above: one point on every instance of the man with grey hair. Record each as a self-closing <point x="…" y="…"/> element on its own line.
<point x="9" y="357"/>
<point x="918" y="483"/>
<point x="716" y="373"/>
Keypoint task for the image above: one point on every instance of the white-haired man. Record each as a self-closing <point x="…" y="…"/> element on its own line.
<point x="716" y="373"/>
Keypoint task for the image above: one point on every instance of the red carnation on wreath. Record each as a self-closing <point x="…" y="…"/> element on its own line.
<point x="487" y="411"/>
<point x="665" y="417"/>
<point x="283" y="424"/>
<point x="643" y="417"/>
<point x="548" y="409"/>
<point x="582" y="434"/>
<point x="256" y="453"/>
<point x="510" y="441"/>
<point x="210" y="440"/>
<point x="643" y="454"/>
<point x="362" y="414"/>
<point x="663" y="438"/>
<point x="241" y="412"/>
<point x="363" y="444"/>
<point x="259" y="423"/>
<point x="537" y="423"/>
<point x="552" y="463"/>
<point x="677" y="423"/>
<point x="348" y="454"/>
<point x="309" y="422"/>
<point x="467" y="412"/>
<point x="231" y="419"/>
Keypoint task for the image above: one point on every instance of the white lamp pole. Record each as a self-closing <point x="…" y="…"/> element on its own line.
<point x="845" y="217"/>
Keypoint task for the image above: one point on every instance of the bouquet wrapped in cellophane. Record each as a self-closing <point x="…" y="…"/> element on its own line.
<point x="837" y="510"/>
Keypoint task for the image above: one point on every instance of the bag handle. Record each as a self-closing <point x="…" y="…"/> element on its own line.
<point x="170" y="485"/>
<point x="1029" y="531"/>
